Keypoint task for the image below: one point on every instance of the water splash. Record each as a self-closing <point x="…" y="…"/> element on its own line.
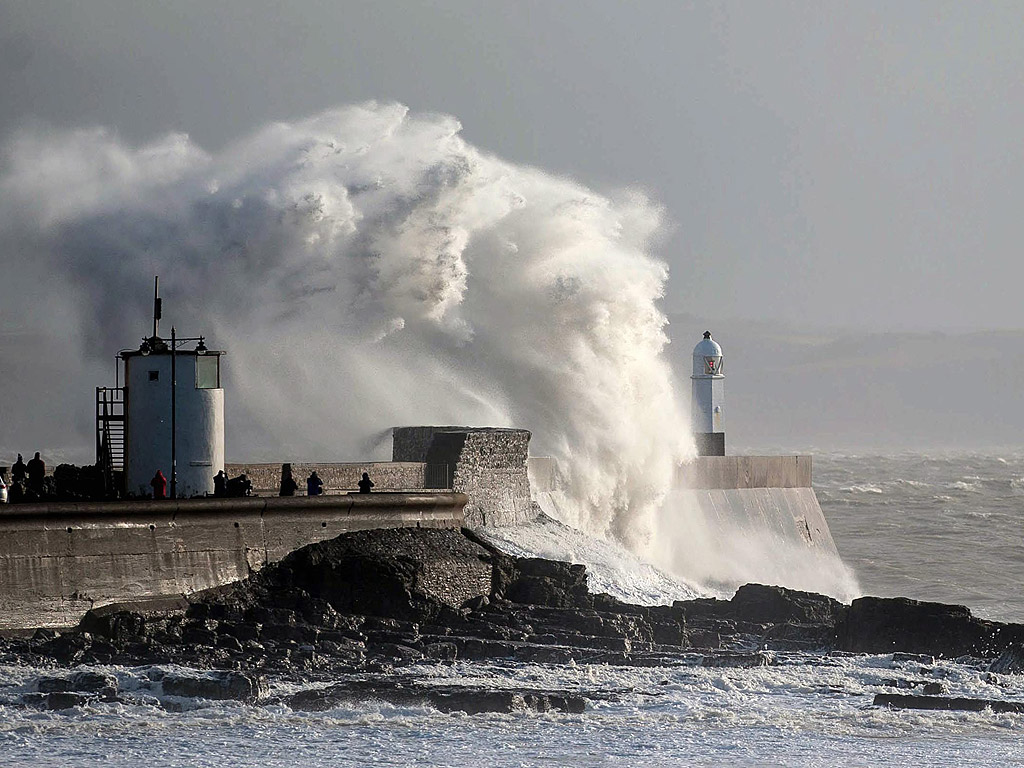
<point x="367" y="267"/>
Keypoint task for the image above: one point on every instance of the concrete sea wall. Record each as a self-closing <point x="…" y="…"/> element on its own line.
<point x="59" y="560"/>
<point x="765" y="495"/>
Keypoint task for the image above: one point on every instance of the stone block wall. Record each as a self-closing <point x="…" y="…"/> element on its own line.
<point x="337" y="477"/>
<point x="488" y="465"/>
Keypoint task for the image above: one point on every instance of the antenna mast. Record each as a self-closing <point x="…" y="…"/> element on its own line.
<point x="157" y="307"/>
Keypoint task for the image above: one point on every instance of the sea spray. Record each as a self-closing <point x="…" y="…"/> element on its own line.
<point x="367" y="267"/>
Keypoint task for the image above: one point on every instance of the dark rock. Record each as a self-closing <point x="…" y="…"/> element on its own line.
<point x="547" y="582"/>
<point x="219" y="686"/>
<point x="118" y="628"/>
<point x="745" y="660"/>
<point x="884" y="625"/>
<point x="55" y="700"/>
<point x="762" y="604"/>
<point x="242" y="631"/>
<point x="1010" y="661"/>
<point x="229" y="642"/>
<point x="442" y="651"/>
<point x="87" y="681"/>
<point x="67" y="648"/>
<point x="471" y="700"/>
<point x="928" y="687"/>
<point x="901" y="701"/>
<point x="195" y="635"/>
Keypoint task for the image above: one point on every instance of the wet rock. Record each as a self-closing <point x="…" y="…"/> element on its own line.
<point x="742" y="660"/>
<point x="441" y="651"/>
<point x="547" y="582"/>
<point x="762" y="604"/>
<point x="471" y="700"/>
<point x="67" y="648"/>
<point x="916" y="658"/>
<point x="928" y="687"/>
<point x="1010" y="661"/>
<point x="56" y="700"/>
<point x="884" y="625"/>
<point x="238" y="686"/>
<point x="902" y="701"/>
<point x="116" y="627"/>
<point x="87" y="681"/>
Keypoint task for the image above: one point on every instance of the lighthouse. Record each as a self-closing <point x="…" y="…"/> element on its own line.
<point x="173" y="413"/>
<point x="707" y="396"/>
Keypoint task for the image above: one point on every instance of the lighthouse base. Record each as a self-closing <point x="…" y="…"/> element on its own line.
<point x="710" y="443"/>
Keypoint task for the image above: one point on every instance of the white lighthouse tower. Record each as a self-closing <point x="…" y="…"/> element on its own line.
<point x="173" y="414"/>
<point x="707" y="396"/>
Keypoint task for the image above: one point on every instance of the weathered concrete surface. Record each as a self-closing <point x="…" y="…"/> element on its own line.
<point x="760" y="496"/>
<point x="488" y="464"/>
<point x="787" y="515"/>
<point x="59" y="560"/>
<point x="736" y="472"/>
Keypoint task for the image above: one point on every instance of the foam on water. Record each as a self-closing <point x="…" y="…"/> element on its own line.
<point x="795" y="713"/>
<point x="611" y="568"/>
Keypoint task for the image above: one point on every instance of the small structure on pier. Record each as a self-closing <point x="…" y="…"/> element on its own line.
<point x="168" y="415"/>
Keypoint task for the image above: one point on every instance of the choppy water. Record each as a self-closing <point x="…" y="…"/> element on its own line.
<point x="948" y="527"/>
<point x="941" y="527"/>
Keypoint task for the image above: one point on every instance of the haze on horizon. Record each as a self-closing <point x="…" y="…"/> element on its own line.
<point x="835" y="170"/>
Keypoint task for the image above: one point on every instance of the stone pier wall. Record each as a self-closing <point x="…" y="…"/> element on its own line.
<point x="488" y="465"/>
<point x="338" y="477"/>
<point x="59" y="560"/>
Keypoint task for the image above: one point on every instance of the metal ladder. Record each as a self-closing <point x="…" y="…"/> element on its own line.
<point x="110" y="423"/>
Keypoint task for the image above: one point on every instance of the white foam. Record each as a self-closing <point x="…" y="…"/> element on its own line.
<point x="611" y="568"/>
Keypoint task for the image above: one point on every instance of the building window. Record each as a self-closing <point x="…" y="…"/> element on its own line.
<point x="154" y="375"/>
<point x="208" y="372"/>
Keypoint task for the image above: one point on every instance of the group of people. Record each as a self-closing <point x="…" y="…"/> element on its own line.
<point x="31" y="475"/>
<point x="223" y="486"/>
<point x="314" y="483"/>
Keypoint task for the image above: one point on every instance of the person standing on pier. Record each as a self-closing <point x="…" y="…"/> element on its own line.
<point x="159" y="483"/>
<point x="220" y="485"/>
<point x="365" y="484"/>
<point x="36" y="473"/>
<point x="288" y="484"/>
<point x="314" y="485"/>
<point x="19" y="471"/>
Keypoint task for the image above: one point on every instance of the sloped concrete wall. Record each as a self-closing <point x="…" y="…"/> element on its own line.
<point x="772" y="495"/>
<point x="59" y="560"/>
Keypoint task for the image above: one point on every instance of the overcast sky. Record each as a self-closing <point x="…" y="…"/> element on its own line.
<point x="856" y="165"/>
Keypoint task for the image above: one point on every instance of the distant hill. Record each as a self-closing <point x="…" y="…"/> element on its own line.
<point x="788" y="387"/>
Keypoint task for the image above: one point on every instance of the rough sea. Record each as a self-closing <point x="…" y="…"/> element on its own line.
<point x="934" y="527"/>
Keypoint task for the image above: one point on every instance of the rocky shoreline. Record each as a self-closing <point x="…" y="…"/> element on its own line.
<point x="359" y="611"/>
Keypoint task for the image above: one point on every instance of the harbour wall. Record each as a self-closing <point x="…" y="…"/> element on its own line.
<point x="763" y="495"/>
<point x="59" y="560"/>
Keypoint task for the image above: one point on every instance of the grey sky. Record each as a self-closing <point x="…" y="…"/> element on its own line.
<point x="827" y="164"/>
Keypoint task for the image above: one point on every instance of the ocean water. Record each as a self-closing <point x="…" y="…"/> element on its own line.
<point x="932" y="527"/>
<point x="943" y="527"/>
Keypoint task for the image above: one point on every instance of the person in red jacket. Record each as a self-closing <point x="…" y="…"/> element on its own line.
<point x="159" y="483"/>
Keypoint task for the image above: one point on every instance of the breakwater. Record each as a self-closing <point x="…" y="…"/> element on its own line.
<point x="59" y="560"/>
<point x="763" y="495"/>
